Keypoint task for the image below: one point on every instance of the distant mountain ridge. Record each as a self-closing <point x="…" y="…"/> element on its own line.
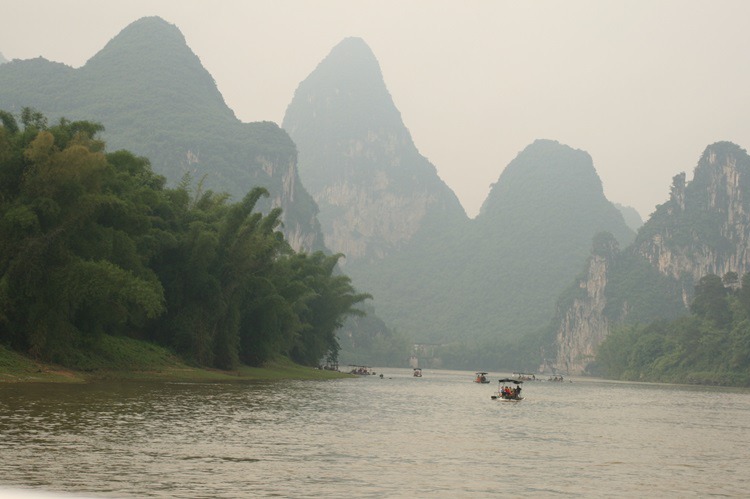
<point x="470" y="292"/>
<point x="536" y="227"/>
<point x="631" y="216"/>
<point x="435" y="274"/>
<point x="156" y="99"/>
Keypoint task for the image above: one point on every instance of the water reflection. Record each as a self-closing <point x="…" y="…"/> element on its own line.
<point x="440" y="435"/>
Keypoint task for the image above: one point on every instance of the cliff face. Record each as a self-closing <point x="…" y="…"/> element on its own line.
<point x="583" y="324"/>
<point x="301" y="227"/>
<point x="704" y="228"/>
<point x="374" y="190"/>
<point x="373" y="223"/>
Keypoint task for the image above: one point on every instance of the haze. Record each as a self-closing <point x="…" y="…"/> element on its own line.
<point x="642" y="86"/>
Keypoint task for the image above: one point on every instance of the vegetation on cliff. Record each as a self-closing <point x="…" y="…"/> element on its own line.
<point x="711" y="346"/>
<point x="701" y="230"/>
<point x="93" y="245"/>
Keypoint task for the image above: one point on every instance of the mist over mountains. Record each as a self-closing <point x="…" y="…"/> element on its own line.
<point x="375" y="192"/>
<point x="434" y="273"/>
<point x="489" y="291"/>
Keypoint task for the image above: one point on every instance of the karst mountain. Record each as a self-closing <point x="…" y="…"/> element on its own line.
<point x="457" y="284"/>
<point x="155" y="98"/>
<point x="702" y="229"/>
<point x="545" y="271"/>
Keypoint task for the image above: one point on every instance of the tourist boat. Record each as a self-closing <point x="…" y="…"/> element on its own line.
<point x="481" y="378"/>
<point x="417" y="372"/>
<point x="361" y="370"/>
<point x="506" y="392"/>
<point x="525" y="376"/>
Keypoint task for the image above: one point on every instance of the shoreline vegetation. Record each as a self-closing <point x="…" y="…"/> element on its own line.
<point x="100" y="262"/>
<point x="126" y="359"/>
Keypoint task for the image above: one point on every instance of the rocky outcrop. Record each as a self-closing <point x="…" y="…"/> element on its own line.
<point x="372" y="224"/>
<point x="704" y="228"/>
<point x="302" y="229"/>
<point x="583" y="324"/>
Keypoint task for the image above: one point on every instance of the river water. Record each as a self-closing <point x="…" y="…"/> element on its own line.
<point x="437" y="436"/>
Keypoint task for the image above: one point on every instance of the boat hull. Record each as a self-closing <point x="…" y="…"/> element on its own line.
<point x="503" y="399"/>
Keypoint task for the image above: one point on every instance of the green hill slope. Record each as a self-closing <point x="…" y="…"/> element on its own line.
<point x="158" y="101"/>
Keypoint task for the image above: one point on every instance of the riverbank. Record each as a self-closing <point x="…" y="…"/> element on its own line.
<point x="120" y="359"/>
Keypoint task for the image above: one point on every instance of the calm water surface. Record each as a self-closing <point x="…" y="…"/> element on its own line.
<point x="437" y="436"/>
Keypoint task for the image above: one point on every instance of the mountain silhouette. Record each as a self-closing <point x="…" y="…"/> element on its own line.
<point x="438" y="276"/>
<point x="154" y="98"/>
<point x="375" y="192"/>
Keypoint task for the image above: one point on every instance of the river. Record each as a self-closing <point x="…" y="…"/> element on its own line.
<point x="437" y="436"/>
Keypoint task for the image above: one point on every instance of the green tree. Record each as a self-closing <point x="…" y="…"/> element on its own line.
<point x="332" y="298"/>
<point x="70" y="268"/>
<point x="91" y="243"/>
<point x="710" y="300"/>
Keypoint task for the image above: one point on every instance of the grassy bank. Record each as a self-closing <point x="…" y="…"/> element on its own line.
<point x="116" y="358"/>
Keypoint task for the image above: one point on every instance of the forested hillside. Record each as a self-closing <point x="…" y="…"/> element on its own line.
<point x="479" y="290"/>
<point x="92" y="244"/>
<point x="535" y="230"/>
<point x="158" y="101"/>
<point x="711" y="346"/>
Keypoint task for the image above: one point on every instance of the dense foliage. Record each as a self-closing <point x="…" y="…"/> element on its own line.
<point x="93" y="244"/>
<point x="158" y="101"/>
<point x="711" y="346"/>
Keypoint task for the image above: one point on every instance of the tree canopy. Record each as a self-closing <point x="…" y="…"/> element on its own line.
<point x="93" y="244"/>
<point x="711" y="346"/>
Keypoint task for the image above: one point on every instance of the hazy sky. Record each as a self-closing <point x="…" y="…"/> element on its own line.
<point x="642" y="86"/>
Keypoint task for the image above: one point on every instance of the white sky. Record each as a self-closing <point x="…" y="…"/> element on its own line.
<point x="641" y="85"/>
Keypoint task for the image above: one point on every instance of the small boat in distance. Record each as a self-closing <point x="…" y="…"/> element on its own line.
<point x="508" y="393"/>
<point x="361" y="370"/>
<point x="417" y="372"/>
<point x="481" y="378"/>
<point x="557" y="378"/>
<point x="525" y="376"/>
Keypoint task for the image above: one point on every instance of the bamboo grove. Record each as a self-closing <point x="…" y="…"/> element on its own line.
<point x="92" y="243"/>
